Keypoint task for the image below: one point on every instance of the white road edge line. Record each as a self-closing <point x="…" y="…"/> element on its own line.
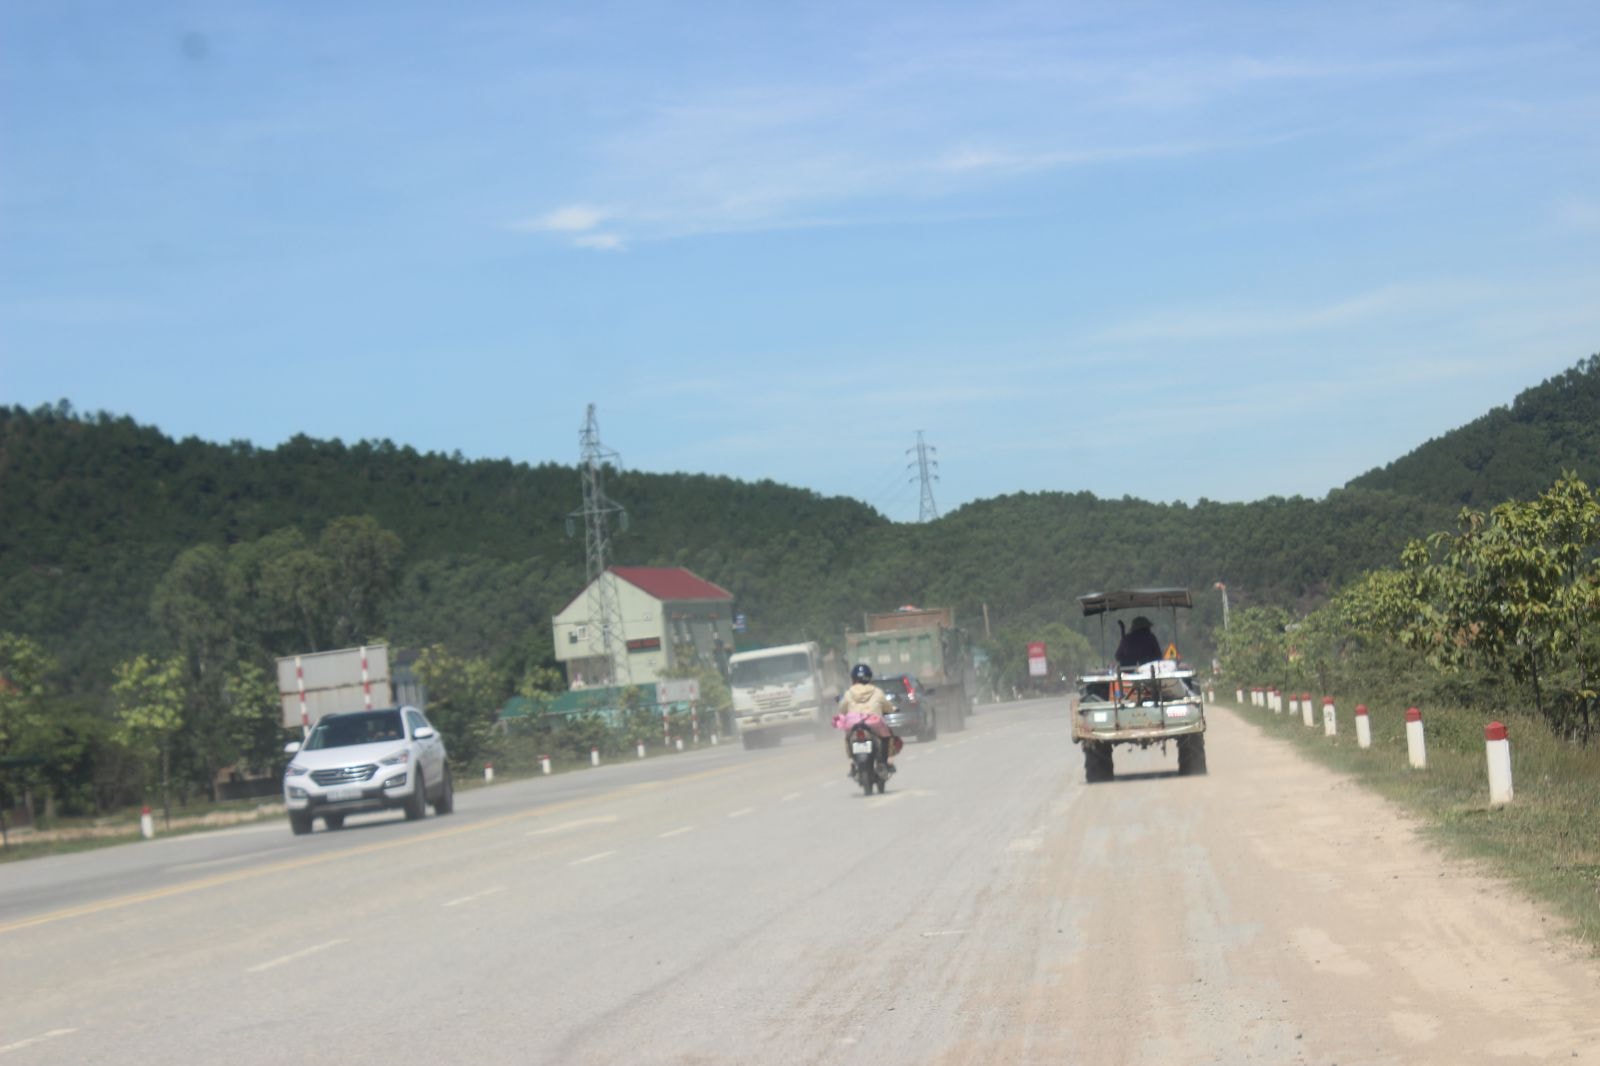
<point x="297" y="955"/>
<point x="478" y="895"/>
<point x="741" y="812"/>
<point x="789" y="797"/>
<point x="946" y="932"/>
<point x="596" y="857"/>
<point x="682" y="829"/>
<point x="32" y="1040"/>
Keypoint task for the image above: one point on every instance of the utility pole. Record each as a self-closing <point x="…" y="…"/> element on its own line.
<point x="605" y="613"/>
<point x="928" y="511"/>
<point x="1220" y="587"/>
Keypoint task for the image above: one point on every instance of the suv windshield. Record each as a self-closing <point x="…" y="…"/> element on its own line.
<point x="365" y="727"/>
<point x="772" y="670"/>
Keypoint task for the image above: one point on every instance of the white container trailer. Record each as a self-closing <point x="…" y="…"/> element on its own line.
<point x="327" y="682"/>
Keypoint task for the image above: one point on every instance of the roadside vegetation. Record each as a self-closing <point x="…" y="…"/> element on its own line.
<point x="1497" y="620"/>
<point x="149" y="584"/>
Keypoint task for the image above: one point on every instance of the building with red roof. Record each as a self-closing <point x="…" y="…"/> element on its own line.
<point x="666" y="616"/>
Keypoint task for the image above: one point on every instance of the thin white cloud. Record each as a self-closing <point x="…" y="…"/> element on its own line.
<point x="600" y="242"/>
<point x="573" y="218"/>
<point x="1261" y="321"/>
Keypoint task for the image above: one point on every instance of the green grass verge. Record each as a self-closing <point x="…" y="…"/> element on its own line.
<point x="1547" y="840"/>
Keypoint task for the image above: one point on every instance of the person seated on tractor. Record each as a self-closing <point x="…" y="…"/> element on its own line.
<point x="864" y="702"/>
<point x="1139" y="644"/>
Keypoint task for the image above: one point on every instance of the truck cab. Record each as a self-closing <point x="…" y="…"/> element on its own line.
<point x="777" y="692"/>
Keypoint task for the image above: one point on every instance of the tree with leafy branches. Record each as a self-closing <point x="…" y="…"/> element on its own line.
<point x="149" y="698"/>
<point x="1520" y="586"/>
<point x="464" y="699"/>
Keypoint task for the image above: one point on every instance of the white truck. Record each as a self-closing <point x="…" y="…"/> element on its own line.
<point x="778" y="692"/>
<point x="329" y="682"/>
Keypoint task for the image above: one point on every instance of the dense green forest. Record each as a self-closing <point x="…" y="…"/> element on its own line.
<point x="117" y="542"/>
<point x="1511" y="453"/>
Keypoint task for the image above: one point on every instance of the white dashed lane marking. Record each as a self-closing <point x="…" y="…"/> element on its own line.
<point x="478" y="895"/>
<point x="682" y="829"/>
<point x="741" y="812"/>
<point x="283" y="959"/>
<point x="32" y="1040"/>
<point x="596" y="857"/>
<point x="605" y="819"/>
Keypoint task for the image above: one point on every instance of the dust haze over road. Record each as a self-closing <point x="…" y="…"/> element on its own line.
<point x="736" y="907"/>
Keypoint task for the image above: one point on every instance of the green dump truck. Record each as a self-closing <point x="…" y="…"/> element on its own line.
<point x="926" y="644"/>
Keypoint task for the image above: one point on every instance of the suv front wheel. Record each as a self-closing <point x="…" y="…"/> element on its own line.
<point x="417" y="802"/>
<point x="446" y="800"/>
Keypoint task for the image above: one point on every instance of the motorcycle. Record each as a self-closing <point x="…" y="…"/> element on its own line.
<point x="868" y="764"/>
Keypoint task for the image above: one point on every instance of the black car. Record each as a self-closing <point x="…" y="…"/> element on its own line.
<point x="910" y="712"/>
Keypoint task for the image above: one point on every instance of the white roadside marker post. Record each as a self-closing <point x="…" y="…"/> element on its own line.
<point x="1238" y="695"/>
<point x="679" y="742"/>
<point x="1416" y="747"/>
<point x="1499" y="752"/>
<point x="147" y="824"/>
<point x="641" y="749"/>
<point x="1294" y="703"/>
<point x="1363" y="727"/>
<point x="1330" y="718"/>
<point x="594" y="756"/>
<point x="1306" y="714"/>
<point x="544" y="764"/>
<point x="488" y="773"/>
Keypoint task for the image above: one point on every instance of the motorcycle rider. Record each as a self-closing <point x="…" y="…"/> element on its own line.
<point x="865" y="699"/>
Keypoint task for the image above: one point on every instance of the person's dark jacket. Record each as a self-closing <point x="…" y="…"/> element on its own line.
<point x="1137" y="647"/>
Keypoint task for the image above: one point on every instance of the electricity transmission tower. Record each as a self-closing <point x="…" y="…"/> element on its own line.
<point x="924" y="467"/>
<point x="605" y="613"/>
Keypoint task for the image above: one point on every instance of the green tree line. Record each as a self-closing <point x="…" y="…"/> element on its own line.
<point x="1502" y="611"/>
<point x="119" y="546"/>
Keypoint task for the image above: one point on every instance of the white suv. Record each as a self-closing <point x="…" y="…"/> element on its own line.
<point x="366" y="761"/>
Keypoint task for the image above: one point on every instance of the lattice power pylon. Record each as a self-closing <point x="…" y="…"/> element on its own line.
<point x="605" y="613"/>
<point x="925" y="467"/>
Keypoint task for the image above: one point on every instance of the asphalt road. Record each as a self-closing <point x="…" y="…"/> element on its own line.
<point x="726" y="906"/>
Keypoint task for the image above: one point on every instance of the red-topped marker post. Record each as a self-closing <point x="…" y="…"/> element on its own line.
<point x="1330" y="718"/>
<point x="1363" y="727"/>
<point x="1499" y="751"/>
<point x="1307" y="715"/>
<point x="1416" y="747"/>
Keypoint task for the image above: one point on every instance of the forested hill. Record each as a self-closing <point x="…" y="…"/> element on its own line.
<point x="94" y="510"/>
<point x="1510" y="453"/>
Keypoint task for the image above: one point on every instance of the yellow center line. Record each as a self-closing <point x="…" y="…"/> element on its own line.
<point x="289" y="865"/>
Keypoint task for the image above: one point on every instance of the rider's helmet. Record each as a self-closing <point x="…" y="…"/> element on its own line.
<point x="1141" y="622"/>
<point x="861" y="673"/>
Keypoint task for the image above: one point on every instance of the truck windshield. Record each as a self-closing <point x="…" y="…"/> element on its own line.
<point x="772" y="670"/>
<point x="367" y="727"/>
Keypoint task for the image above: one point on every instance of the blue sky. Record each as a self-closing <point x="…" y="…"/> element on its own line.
<point x="1169" y="250"/>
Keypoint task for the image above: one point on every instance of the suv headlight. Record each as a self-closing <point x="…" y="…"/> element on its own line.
<point x="294" y="770"/>
<point x="399" y="758"/>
